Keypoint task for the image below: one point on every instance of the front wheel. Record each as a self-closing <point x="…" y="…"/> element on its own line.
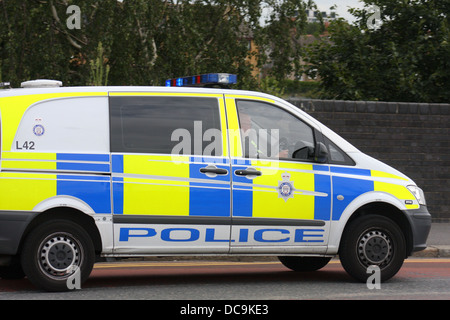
<point x="54" y="252"/>
<point x="372" y="241"/>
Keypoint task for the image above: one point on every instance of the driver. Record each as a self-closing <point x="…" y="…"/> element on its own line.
<point x="250" y="141"/>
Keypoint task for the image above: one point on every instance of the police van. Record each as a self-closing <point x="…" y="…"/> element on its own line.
<point x="88" y="173"/>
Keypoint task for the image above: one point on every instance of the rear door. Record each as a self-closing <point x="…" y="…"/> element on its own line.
<point x="171" y="181"/>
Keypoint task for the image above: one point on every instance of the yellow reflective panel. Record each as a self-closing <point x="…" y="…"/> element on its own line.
<point x="234" y="135"/>
<point x="29" y="161"/>
<point x="381" y="174"/>
<point x="236" y="96"/>
<point x="398" y="191"/>
<point x="156" y="185"/>
<point x="23" y="191"/>
<point x="172" y="94"/>
<point x="267" y="201"/>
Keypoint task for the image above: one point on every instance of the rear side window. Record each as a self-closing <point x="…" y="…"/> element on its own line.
<point x="161" y="124"/>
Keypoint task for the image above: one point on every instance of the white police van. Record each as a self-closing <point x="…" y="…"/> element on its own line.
<point x="117" y="172"/>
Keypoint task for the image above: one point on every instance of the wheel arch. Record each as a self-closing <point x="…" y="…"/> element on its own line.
<point x="387" y="210"/>
<point x="71" y="214"/>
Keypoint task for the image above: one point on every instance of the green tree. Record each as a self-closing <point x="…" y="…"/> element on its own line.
<point x="406" y="59"/>
<point x="99" y="68"/>
<point x="35" y="41"/>
<point x="145" y="42"/>
<point x="280" y="37"/>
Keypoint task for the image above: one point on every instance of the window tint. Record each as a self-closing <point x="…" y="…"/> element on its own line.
<point x="268" y="131"/>
<point x="181" y="125"/>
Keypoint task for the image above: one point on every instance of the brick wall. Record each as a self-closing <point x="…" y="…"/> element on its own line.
<point x="411" y="137"/>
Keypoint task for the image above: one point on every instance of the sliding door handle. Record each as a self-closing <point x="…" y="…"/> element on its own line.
<point x="213" y="171"/>
<point x="216" y="170"/>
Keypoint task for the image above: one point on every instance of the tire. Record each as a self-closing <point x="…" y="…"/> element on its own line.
<point x="304" y="264"/>
<point x="372" y="240"/>
<point x="54" y="251"/>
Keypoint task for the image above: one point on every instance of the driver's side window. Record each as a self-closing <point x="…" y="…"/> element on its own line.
<point x="268" y="131"/>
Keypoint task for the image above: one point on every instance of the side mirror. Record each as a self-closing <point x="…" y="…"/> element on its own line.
<point x="321" y="155"/>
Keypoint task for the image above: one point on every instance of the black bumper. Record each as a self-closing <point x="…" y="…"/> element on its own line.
<point x="12" y="228"/>
<point x="420" y="222"/>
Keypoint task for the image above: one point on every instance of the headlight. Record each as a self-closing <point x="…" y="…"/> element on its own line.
<point x="418" y="193"/>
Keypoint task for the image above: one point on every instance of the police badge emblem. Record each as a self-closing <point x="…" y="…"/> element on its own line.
<point x="285" y="187"/>
<point x="38" y="130"/>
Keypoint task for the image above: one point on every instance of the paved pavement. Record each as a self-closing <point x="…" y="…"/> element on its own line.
<point x="438" y="242"/>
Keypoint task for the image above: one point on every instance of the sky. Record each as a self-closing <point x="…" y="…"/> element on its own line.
<point x="342" y="7"/>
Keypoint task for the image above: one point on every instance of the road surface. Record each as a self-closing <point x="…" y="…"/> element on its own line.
<point x="419" y="279"/>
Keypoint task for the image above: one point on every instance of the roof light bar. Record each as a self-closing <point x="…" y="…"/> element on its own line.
<point x="203" y="80"/>
<point x="41" y="83"/>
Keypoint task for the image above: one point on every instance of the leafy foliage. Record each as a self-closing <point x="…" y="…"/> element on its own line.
<point x="145" y="42"/>
<point x="406" y="59"/>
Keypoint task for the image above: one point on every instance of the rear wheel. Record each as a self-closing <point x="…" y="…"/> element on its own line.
<point x="54" y="252"/>
<point x="372" y="241"/>
<point x="304" y="263"/>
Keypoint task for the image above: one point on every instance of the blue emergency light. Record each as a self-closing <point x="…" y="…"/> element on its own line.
<point x="203" y="80"/>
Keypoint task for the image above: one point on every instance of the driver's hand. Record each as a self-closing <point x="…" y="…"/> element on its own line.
<point x="283" y="154"/>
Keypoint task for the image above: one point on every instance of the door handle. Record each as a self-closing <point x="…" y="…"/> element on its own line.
<point x="248" y="172"/>
<point x="213" y="171"/>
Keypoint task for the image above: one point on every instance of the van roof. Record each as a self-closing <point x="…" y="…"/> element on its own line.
<point x="345" y="145"/>
<point x="104" y="89"/>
